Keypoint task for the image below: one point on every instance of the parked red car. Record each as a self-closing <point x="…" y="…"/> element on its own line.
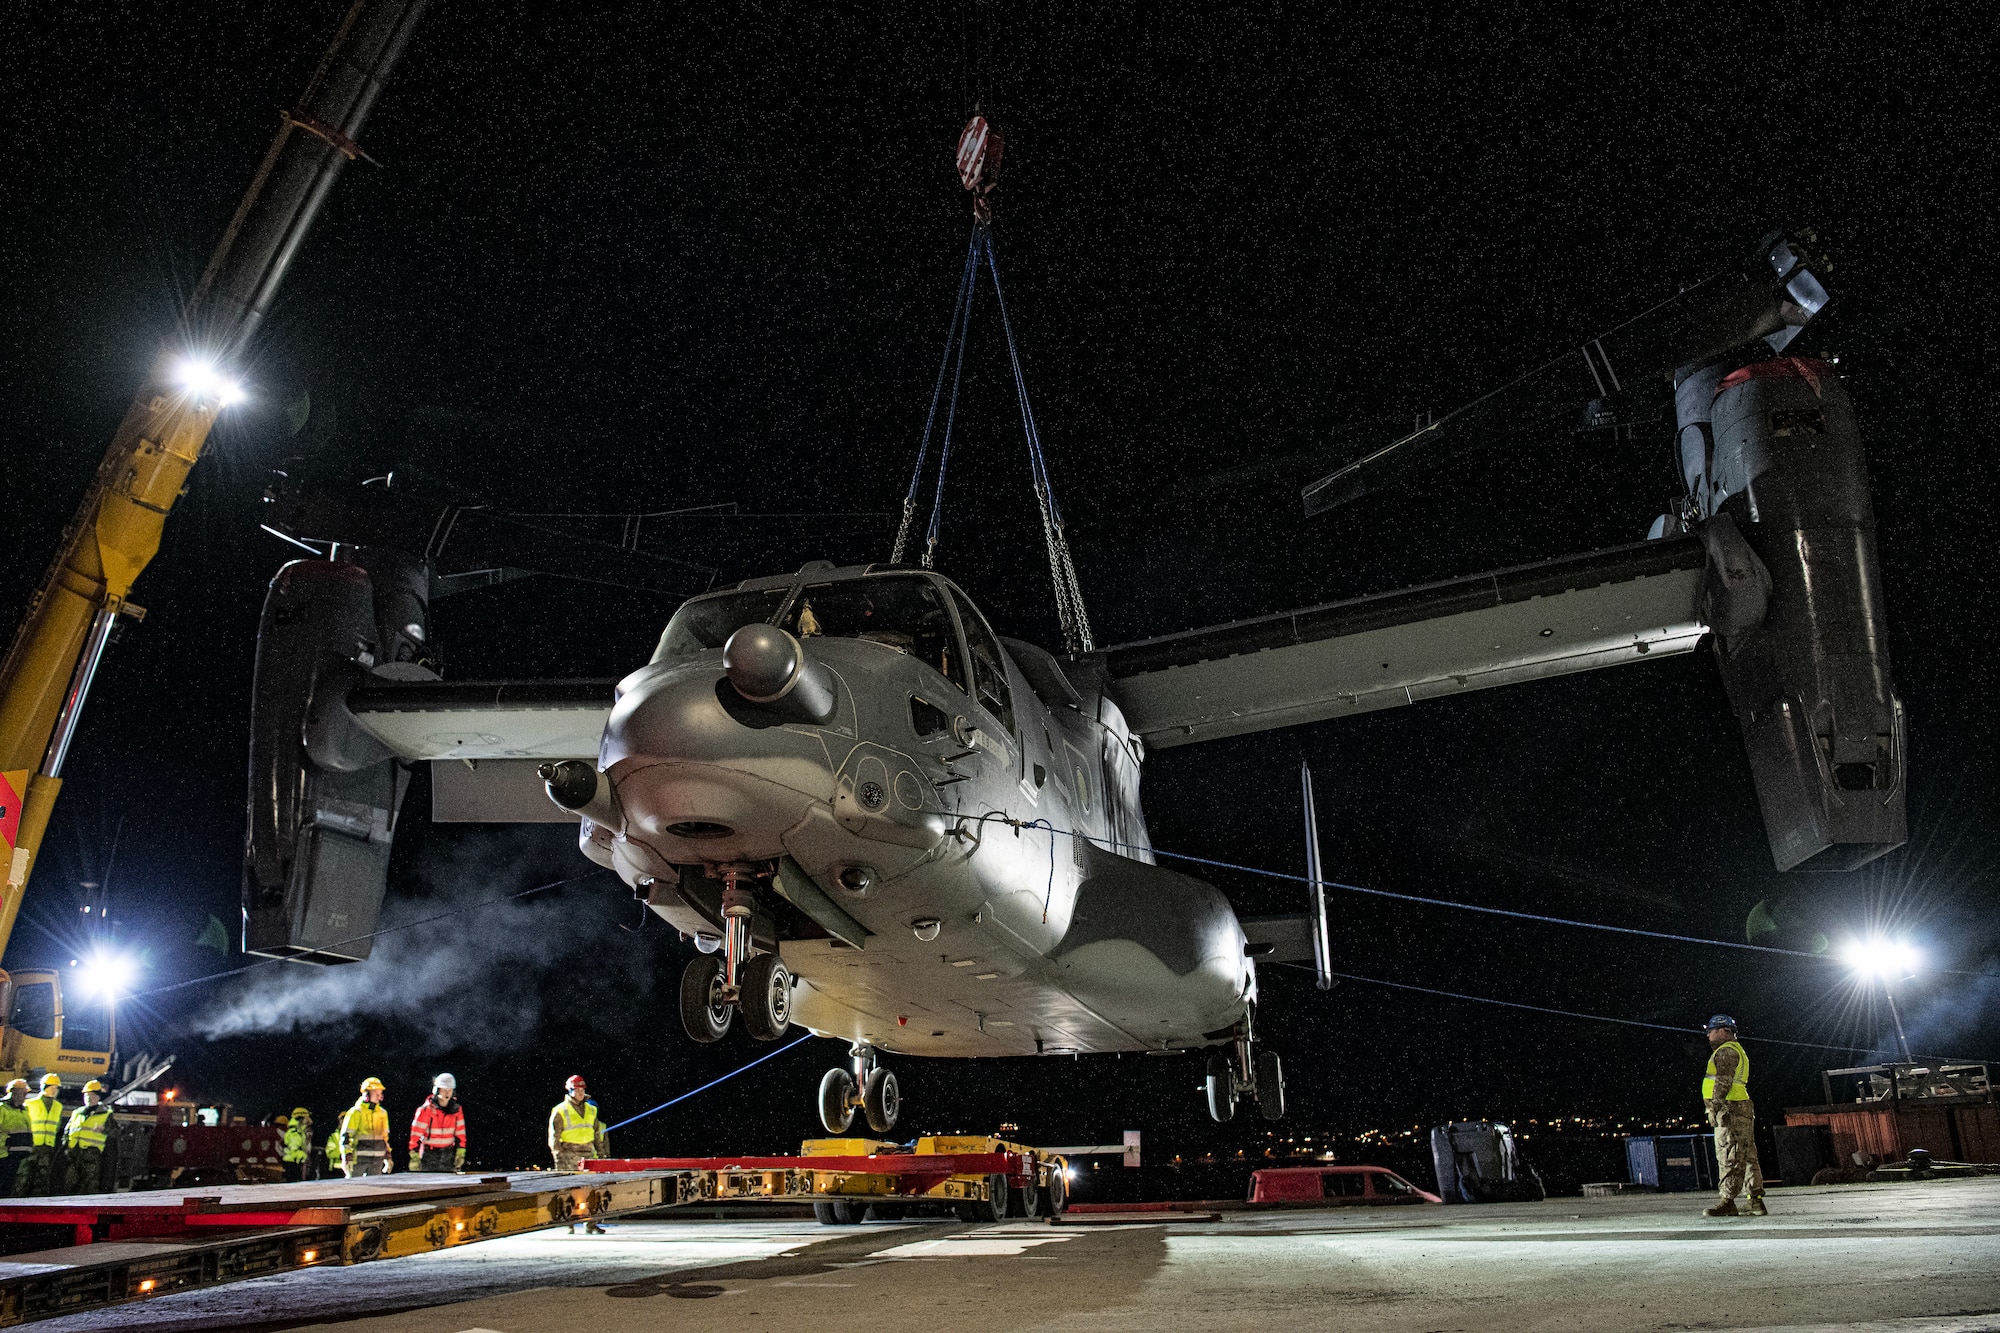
<point x="1328" y="1186"/>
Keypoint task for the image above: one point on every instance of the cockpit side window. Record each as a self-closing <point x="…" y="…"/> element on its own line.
<point x="989" y="670"/>
<point x="707" y="622"/>
<point x="904" y="612"/>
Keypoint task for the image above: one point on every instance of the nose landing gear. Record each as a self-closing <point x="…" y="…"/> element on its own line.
<point x="717" y="985"/>
<point x="871" y="1088"/>
<point x="1257" y="1075"/>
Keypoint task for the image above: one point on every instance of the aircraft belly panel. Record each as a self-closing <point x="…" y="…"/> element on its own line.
<point x="1285" y="685"/>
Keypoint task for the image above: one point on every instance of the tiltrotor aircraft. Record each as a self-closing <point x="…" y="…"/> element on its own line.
<point x="880" y="820"/>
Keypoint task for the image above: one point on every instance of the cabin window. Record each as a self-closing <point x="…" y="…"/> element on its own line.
<point x="707" y="622"/>
<point x="1340" y="1185"/>
<point x="904" y="612"/>
<point x="989" y="669"/>
<point x="1394" y="1186"/>
<point x="86" y="1024"/>
<point x="35" y="1010"/>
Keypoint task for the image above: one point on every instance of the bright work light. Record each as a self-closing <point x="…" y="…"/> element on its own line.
<point x="204" y="381"/>
<point x="1878" y="956"/>
<point x="106" y="974"/>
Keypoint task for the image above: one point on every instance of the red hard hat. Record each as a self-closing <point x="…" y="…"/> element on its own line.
<point x="575" y="1081"/>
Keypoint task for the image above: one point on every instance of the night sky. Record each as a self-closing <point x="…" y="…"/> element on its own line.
<point x="634" y="258"/>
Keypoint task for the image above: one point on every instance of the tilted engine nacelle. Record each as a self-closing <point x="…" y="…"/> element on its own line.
<point x="1776" y="471"/>
<point x="324" y="794"/>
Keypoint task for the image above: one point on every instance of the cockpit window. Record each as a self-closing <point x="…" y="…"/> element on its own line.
<point x="989" y="672"/>
<point x="904" y="612"/>
<point x="707" y="622"/>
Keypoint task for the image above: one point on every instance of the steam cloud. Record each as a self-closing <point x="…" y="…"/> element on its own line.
<point x="471" y="980"/>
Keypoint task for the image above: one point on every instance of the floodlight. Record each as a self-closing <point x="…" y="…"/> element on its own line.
<point x="107" y="974"/>
<point x="1879" y="956"/>
<point x="201" y="379"/>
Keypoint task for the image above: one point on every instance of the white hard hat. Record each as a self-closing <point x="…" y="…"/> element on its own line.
<point x="445" y="1081"/>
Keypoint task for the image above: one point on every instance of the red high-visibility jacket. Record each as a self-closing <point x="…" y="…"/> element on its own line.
<point x="435" y="1127"/>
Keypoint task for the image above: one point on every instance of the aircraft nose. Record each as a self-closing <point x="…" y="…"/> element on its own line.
<point x="698" y="782"/>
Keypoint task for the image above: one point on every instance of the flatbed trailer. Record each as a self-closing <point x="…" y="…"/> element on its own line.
<point x="138" y="1245"/>
<point x="146" y="1243"/>
<point x="976" y="1177"/>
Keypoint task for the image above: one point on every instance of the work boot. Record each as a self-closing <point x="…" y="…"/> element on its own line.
<point x="1757" y="1208"/>
<point x="592" y="1229"/>
<point x="1726" y="1208"/>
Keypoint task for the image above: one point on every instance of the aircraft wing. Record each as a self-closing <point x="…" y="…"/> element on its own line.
<point x="1533" y="621"/>
<point x="486" y="738"/>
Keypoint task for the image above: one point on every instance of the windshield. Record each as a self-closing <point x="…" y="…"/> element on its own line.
<point x="707" y="622"/>
<point x="904" y="612"/>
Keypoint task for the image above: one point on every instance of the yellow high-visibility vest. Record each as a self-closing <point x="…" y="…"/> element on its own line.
<point x="364" y="1122"/>
<point x="578" y="1126"/>
<point x="1739" y="1087"/>
<point x="45" y="1119"/>
<point x="298" y="1141"/>
<point x="89" y="1126"/>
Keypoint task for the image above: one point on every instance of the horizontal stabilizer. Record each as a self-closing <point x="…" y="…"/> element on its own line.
<point x="1279" y="939"/>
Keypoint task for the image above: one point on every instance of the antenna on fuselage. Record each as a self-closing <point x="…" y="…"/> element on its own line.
<point x="1315" y="885"/>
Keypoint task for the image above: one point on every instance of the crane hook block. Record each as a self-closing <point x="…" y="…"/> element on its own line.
<point x="979" y="150"/>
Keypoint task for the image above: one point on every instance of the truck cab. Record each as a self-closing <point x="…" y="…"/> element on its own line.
<point x="53" y="1029"/>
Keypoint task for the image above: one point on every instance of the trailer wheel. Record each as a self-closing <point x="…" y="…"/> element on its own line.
<point x="1221" y="1089"/>
<point x="1025" y="1200"/>
<point x="1055" y="1199"/>
<point x="835" y="1213"/>
<point x="704" y="1013"/>
<point x="882" y="1099"/>
<point x="766" y="989"/>
<point x="994" y="1209"/>
<point x="836" y="1101"/>
<point x="1270" y="1085"/>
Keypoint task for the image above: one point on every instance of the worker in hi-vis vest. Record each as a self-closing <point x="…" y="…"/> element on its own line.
<point x="14" y="1125"/>
<point x="1725" y="1093"/>
<point x="88" y="1131"/>
<point x="298" y="1146"/>
<point x="45" y="1122"/>
<point x="437" y="1133"/>
<point x="364" y="1134"/>
<point x="576" y="1134"/>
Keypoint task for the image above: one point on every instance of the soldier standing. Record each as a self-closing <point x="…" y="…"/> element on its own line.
<point x="576" y="1134"/>
<point x="1726" y="1093"/>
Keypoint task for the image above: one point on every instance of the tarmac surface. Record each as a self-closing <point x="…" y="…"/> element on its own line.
<point x="1863" y="1259"/>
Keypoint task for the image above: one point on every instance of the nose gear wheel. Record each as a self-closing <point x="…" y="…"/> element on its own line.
<point x="765" y="997"/>
<point x="705" y="1013"/>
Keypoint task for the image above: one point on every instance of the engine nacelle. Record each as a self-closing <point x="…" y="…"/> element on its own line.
<point x="323" y="793"/>
<point x="1774" y="447"/>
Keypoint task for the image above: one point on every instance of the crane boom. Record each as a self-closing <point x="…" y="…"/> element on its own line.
<point x="46" y="675"/>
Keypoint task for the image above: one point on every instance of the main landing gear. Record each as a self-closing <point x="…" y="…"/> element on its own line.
<point x="717" y="986"/>
<point x="1258" y="1076"/>
<point x="871" y="1087"/>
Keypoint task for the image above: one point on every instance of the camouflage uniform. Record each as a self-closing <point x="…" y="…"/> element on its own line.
<point x="1735" y="1124"/>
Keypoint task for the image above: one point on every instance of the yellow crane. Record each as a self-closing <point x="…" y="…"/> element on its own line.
<point x="46" y="676"/>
